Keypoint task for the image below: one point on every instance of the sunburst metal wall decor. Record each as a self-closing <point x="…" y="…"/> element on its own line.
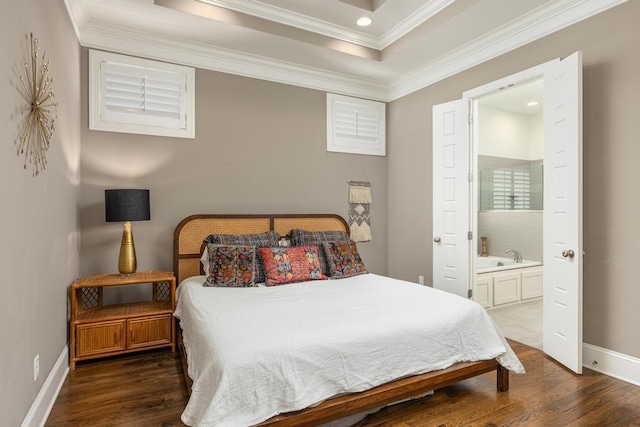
<point x="41" y="109"/>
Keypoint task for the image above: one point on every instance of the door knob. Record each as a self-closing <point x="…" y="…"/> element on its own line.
<point x="568" y="253"/>
<point x="436" y="239"/>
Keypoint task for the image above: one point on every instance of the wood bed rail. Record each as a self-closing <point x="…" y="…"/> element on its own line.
<point x="385" y="394"/>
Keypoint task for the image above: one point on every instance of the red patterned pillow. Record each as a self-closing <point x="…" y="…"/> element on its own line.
<point x="231" y="266"/>
<point x="288" y="265"/>
<point x="300" y="237"/>
<point x="343" y="259"/>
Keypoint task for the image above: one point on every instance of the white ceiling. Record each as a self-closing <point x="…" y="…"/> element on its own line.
<point x="316" y="43"/>
<point x="515" y="99"/>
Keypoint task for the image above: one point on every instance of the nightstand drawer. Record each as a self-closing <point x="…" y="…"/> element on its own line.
<point x="100" y="338"/>
<point x="149" y="331"/>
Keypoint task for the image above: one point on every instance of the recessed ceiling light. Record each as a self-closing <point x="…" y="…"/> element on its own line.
<point x="365" y="21"/>
<point x="532" y="103"/>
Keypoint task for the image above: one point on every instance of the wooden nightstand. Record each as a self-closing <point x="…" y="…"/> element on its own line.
<point x="99" y="330"/>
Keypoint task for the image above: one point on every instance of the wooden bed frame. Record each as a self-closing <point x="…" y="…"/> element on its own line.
<point x="187" y="249"/>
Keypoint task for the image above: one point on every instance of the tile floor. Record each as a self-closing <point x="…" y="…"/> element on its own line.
<point x="521" y="322"/>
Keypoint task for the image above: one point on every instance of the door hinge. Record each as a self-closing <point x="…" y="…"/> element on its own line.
<point x="470" y="119"/>
<point x="470" y="177"/>
<point x="470" y="235"/>
<point x="470" y="293"/>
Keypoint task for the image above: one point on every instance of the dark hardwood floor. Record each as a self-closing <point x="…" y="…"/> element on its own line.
<point x="148" y="390"/>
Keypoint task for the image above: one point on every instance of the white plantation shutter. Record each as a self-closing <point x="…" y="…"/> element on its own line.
<point x="521" y="189"/>
<point x="502" y="189"/>
<point x="511" y="189"/>
<point x="355" y="125"/>
<point x="142" y="96"/>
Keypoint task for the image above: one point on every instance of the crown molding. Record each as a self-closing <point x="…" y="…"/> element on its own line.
<point x="79" y="15"/>
<point x="272" y="13"/>
<point x="429" y="10"/>
<point x="533" y="26"/>
<point x="207" y="57"/>
<point x="293" y="19"/>
<point x="538" y="23"/>
<point x="287" y="17"/>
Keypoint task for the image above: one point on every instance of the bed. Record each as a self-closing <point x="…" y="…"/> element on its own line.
<point x="321" y="350"/>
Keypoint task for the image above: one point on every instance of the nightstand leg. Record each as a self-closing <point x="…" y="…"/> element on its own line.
<point x="72" y="329"/>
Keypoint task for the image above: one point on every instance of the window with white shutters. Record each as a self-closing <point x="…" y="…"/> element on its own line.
<point x="521" y="189"/>
<point x="134" y="95"/>
<point x="511" y="189"/>
<point x="502" y="189"/>
<point x="355" y="125"/>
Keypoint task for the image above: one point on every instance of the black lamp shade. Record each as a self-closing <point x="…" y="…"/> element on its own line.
<point x="127" y="205"/>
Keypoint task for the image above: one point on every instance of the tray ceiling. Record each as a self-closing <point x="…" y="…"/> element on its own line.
<point x="317" y="44"/>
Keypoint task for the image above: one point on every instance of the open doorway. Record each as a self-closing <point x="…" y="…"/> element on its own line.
<point x="509" y="153"/>
<point x="455" y="197"/>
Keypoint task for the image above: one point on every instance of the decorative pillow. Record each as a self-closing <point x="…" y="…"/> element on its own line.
<point x="343" y="259"/>
<point x="303" y="237"/>
<point x="288" y="265"/>
<point x="231" y="266"/>
<point x="259" y="240"/>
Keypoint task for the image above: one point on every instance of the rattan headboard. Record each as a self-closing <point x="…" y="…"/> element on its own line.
<point x="187" y="239"/>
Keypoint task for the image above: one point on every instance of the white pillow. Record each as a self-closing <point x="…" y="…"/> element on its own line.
<point x="204" y="259"/>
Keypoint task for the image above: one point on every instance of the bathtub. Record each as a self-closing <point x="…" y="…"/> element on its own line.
<point x="487" y="264"/>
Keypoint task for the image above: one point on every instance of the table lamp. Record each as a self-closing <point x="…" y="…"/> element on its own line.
<point x="126" y="206"/>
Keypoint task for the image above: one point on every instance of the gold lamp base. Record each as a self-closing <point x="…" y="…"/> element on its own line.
<point x="127" y="263"/>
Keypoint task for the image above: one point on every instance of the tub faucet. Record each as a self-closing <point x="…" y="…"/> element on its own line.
<point x="516" y="255"/>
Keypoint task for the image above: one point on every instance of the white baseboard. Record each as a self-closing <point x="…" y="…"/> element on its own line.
<point x="41" y="407"/>
<point x="609" y="362"/>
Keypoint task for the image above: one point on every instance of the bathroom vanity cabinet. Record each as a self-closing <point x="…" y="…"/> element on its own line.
<point x="508" y="287"/>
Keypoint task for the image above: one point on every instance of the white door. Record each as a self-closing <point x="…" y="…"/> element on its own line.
<point x="451" y="198"/>
<point x="562" y="329"/>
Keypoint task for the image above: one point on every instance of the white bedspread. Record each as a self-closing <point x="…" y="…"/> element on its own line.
<point x="256" y="352"/>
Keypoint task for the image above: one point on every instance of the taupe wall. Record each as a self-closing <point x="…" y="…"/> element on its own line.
<point x="611" y="72"/>
<point x="260" y="147"/>
<point x="40" y="231"/>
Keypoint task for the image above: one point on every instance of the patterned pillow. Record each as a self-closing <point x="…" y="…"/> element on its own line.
<point x="259" y="240"/>
<point x="231" y="266"/>
<point x="288" y="265"/>
<point x="303" y="237"/>
<point x="343" y="259"/>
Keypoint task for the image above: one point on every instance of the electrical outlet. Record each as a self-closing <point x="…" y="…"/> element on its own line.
<point x="421" y="280"/>
<point x="36" y="367"/>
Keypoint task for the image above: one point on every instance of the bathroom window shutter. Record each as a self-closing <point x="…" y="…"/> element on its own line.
<point x="135" y="95"/>
<point x="511" y="189"/>
<point x="355" y="125"/>
<point x="521" y="189"/>
<point x="501" y="189"/>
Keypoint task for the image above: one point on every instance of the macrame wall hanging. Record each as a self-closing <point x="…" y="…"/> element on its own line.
<point x="359" y="210"/>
